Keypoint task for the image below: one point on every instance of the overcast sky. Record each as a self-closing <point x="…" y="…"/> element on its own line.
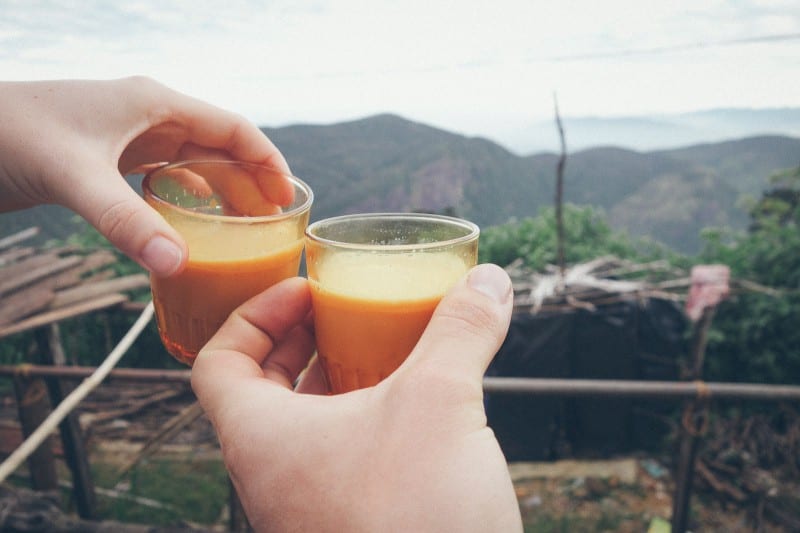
<point x="472" y="67"/>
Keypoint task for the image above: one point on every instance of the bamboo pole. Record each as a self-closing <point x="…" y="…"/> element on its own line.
<point x="667" y="390"/>
<point x="19" y="455"/>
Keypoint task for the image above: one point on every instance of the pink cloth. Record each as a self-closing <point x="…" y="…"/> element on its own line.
<point x="710" y="285"/>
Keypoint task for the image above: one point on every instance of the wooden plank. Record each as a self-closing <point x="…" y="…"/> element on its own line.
<point x="95" y="290"/>
<point x="133" y="406"/>
<point x="63" y="314"/>
<point x="69" y="277"/>
<point x="38" y="273"/>
<point x="29" y="263"/>
<point x="90" y="263"/>
<point x="39" y="294"/>
<point x="11" y="240"/>
<point x="25" y="303"/>
<point x="100" y="275"/>
<point x="15" y="254"/>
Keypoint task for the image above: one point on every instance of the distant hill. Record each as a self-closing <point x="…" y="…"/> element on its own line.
<point x="655" y="132"/>
<point x="387" y="163"/>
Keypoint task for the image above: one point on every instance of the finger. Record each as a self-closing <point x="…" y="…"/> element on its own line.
<point x="201" y="123"/>
<point x="469" y="324"/>
<point x="177" y="120"/>
<point x="284" y="364"/>
<point x="250" y="190"/>
<point x="125" y="219"/>
<point x="216" y="128"/>
<point x="239" y="189"/>
<point x="238" y="350"/>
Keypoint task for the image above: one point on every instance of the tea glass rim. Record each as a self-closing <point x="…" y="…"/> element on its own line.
<point x="472" y="229"/>
<point x="232" y="219"/>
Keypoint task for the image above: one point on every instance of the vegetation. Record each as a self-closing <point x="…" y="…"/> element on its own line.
<point x="755" y="335"/>
<point x="386" y="163"/>
<point x="187" y="491"/>
<point x="586" y="231"/>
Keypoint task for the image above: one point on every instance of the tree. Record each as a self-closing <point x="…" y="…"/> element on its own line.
<point x="587" y="235"/>
<point x="756" y="336"/>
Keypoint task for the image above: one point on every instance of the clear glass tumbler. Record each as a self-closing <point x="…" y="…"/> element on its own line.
<point x="376" y="280"/>
<point x="239" y="243"/>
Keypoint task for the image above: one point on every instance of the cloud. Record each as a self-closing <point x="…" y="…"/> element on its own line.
<point x="470" y="66"/>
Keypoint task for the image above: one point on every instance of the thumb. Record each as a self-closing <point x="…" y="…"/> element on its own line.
<point x="125" y="219"/>
<point x="469" y="324"/>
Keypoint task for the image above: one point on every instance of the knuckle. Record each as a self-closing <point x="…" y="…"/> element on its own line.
<point x="141" y="82"/>
<point x="465" y="318"/>
<point x="118" y="219"/>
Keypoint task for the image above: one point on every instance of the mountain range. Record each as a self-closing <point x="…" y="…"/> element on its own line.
<point x="388" y="163"/>
<point x="652" y="132"/>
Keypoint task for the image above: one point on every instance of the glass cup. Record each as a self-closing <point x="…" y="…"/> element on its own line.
<point x="375" y="282"/>
<point x="232" y="255"/>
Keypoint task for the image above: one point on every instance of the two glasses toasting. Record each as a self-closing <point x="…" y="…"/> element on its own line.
<point x="375" y="278"/>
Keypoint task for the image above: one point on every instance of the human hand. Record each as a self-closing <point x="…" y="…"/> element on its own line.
<point x="70" y="143"/>
<point x="410" y="454"/>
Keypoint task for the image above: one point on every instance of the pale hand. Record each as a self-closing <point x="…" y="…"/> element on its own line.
<point x="70" y="143"/>
<point x="411" y="454"/>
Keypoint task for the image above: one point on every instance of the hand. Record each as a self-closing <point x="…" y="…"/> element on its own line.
<point x="70" y="143"/>
<point x="410" y="454"/>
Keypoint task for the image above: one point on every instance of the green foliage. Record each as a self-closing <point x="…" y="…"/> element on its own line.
<point x="190" y="490"/>
<point x="755" y="335"/>
<point x="587" y="236"/>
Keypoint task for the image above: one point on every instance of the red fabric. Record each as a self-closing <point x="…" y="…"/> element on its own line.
<point x="710" y="285"/>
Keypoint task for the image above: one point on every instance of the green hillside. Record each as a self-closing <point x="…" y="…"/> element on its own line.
<point x="741" y="163"/>
<point x="387" y="163"/>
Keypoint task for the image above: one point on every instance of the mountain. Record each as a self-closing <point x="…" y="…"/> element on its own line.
<point x="388" y="163"/>
<point x="655" y="132"/>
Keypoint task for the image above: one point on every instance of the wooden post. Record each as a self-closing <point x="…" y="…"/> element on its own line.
<point x="33" y="408"/>
<point x="51" y="352"/>
<point x="694" y="414"/>
<point x="559" y="200"/>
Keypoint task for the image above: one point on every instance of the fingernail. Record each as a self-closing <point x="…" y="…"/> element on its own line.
<point x="492" y="281"/>
<point x="161" y="256"/>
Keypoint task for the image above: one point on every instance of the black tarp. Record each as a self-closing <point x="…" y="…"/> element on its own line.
<point x="640" y="339"/>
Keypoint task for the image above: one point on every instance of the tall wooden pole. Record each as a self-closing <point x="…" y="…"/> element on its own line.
<point x="559" y="199"/>
<point x="695" y="417"/>
<point x="33" y="407"/>
<point x="51" y="352"/>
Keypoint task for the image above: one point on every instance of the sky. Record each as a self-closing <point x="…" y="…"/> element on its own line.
<point x="482" y="68"/>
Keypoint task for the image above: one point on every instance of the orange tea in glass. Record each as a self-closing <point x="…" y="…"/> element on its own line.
<point x="232" y="256"/>
<point x="376" y="280"/>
